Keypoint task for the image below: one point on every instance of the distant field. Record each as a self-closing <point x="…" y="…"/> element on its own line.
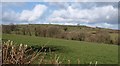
<point x="72" y="50"/>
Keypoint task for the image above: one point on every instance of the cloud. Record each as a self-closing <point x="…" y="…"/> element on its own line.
<point x="62" y="5"/>
<point x="89" y="5"/>
<point x="97" y="0"/>
<point x="33" y="15"/>
<point x="64" y="13"/>
<point x="60" y="0"/>
<point x="10" y="16"/>
<point x="104" y="25"/>
<point x="96" y="14"/>
<point x="25" y="15"/>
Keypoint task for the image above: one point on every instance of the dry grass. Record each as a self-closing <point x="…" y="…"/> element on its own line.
<point x="17" y="54"/>
<point x="13" y="54"/>
<point x="22" y="54"/>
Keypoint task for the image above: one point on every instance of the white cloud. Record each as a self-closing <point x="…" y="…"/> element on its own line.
<point x="70" y="23"/>
<point x="66" y="14"/>
<point x="33" y="15"/>
<point x="25" y="15"/>
<point x="60" y="0"/>
<point x="104" y="25"/>
<point x="95" y="14"/>
<point x="10" y="16"/>
<point x="63" y="23"/>
<point x="97" y="0"/>
<point x="56" y="19"/>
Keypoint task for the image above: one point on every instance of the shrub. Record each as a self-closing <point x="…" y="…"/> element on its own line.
<point x="116" y="41"/>
<point x="65" y="29"/>
<point x="9" y="28"/>
<point x="35" y="30"/>
<point x="23" y="31"/>
<point x="72" y="35"/>
<point x="41" y="31"/>
<point x="81" y="36"/>
<point x="103" y="37"/>
<point x="90" y="38"/>
<point x="6" y="29"/>
<point x="53" y="31"/>
<point x="62" y="35"/>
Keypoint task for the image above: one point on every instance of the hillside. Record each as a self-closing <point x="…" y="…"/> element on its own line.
<point x="79" y="32"/>
<point x="72" y="50"/>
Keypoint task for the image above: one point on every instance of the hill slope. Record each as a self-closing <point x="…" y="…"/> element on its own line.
<point x="73" y="50"/>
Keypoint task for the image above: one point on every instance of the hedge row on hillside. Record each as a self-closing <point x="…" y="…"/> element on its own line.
<point x="99" y="36"/>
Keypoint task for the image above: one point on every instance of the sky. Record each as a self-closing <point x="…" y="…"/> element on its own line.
<point x="60" y="0"/>
<point x="93" y="14"/>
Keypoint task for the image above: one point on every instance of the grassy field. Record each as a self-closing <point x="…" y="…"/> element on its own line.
<point x="72" y="50"/>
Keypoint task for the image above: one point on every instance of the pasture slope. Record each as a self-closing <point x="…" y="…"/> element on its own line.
<point x="72" y="50"/>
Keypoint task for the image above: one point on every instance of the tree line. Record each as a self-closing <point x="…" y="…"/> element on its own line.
<point x="99" y="36"/>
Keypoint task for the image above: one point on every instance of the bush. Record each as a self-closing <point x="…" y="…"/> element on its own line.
<point x="80" y="36"/>
<point x="62" y="35"/>
<point x="41" y="31"/>
<point x="6" y="29"/>
<point x="9" y="28"/>
<point x="53" y="31"/>
<point x="116" y="41"/>
<point x="65" y="29"/>
<point x="90" y="38"/>
<point x="103" y="37"/>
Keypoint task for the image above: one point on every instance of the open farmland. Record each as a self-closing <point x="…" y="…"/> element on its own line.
<point x="70" y="49"/>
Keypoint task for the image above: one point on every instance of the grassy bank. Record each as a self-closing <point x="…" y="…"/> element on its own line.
<point x="72" y="50"/>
